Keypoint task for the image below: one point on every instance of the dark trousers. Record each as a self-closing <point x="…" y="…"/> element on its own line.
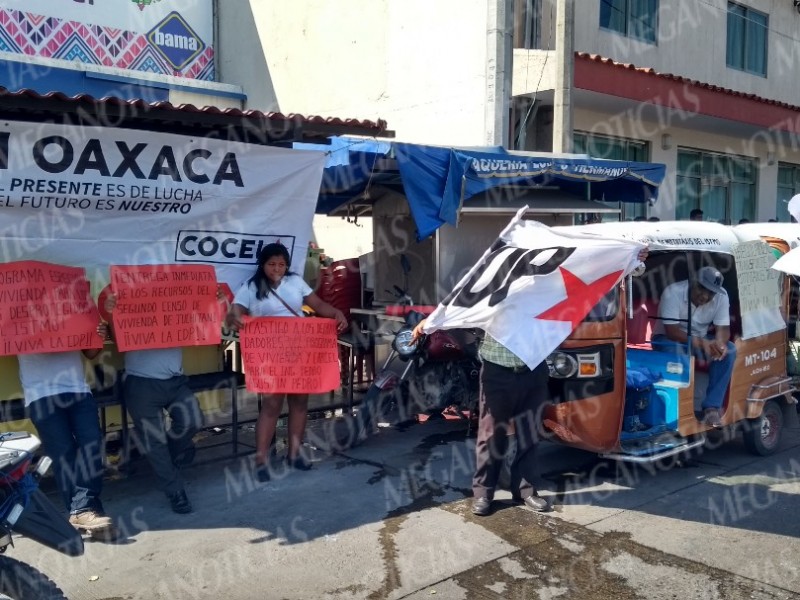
<point x="508" y="396"/>
<point x="146" y="400"/>
<point x="70" y="432"/>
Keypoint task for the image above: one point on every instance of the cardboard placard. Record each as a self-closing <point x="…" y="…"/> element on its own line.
<point x="290" y="355"/>
<point x="759" y="288"/>
<point x="46" y="308"/>
<point x="165" y="306"/>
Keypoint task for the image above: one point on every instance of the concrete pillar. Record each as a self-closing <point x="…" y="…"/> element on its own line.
<point x="565" y="76"/>
<point x="499" y="69"/>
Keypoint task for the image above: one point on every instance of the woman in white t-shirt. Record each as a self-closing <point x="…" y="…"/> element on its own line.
<point x="274" y="291"/>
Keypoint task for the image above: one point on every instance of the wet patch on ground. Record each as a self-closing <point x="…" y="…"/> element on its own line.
<point x="557" y="559"/>
<point x="389" y="553"/>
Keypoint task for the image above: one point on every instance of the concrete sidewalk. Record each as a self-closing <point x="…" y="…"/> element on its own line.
<point x="391" y="519"/>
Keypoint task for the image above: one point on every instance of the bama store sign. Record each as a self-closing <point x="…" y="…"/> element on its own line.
<point x="168" y="37"/>
<point x="92" y="197"/>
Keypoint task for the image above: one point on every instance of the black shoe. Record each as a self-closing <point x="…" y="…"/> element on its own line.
<point x="534" y="502"/>
<point x="298" y="463"/>
<point x="262" y="473"/>
<point x="481" y="507"/>
<point x="180" y="502"/>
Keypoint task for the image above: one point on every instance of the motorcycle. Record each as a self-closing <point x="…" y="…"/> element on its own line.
<point x="439" y="371"/>
<point x="26" y="510"/>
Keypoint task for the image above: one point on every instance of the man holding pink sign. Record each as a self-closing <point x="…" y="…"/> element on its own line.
<point x="156" y="310"/>
<point x="48" y="319"/>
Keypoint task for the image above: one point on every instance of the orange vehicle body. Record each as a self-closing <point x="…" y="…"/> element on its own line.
<point x="593" y="414"/>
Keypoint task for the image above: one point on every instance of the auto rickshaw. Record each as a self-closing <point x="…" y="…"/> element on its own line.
<point x="596" y="406"/>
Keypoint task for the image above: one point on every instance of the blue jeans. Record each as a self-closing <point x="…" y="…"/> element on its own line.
<point x="719" y="371"/>
<point x="71" y="436"/>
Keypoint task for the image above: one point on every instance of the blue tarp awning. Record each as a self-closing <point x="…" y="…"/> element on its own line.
<point x="438" y="180"/>
<point x="348" y="171"/>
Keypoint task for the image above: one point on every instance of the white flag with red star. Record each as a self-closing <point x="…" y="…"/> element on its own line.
<point x="535" y="285"/>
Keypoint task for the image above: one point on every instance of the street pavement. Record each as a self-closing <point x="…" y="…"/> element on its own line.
<point x="391" y="519"/>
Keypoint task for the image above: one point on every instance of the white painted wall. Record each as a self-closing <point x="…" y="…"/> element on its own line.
<point x="692" y="43"/>
<point x="240" y="53"/>
<point x="420" y="65"/>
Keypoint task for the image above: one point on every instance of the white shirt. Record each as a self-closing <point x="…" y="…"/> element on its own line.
<point x="50" y="374"/>
<point x="675" y="305"/>
<point x="292" y="289"/>
<point x="159" y="363"/>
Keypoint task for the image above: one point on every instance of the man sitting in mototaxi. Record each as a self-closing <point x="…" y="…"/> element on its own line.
<point x="710" y="304"/>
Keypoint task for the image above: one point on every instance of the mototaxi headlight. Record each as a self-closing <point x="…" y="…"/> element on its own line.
<point x="402" y="343"/>
<point x="562" y="365"/>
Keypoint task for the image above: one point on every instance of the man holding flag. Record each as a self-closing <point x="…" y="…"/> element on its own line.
<point x="528" y="292"/>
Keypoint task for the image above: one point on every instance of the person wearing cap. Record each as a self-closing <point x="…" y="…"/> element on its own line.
<point x="710" y="305"/>
<point x="696" y="215"/>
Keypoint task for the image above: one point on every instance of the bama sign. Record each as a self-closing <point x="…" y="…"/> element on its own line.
<point x="167" y="37"/>
<point x="92" y="197"/>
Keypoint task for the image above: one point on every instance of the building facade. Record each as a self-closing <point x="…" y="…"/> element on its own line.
<point x="709" y="88"/>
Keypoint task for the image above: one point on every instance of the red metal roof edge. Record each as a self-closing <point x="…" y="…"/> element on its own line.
<point x="679" y="79"/>
<point x="373" y="127"/>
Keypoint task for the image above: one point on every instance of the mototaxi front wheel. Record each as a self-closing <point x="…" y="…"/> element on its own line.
<point x="762" y="435"/>
<point x="20" y="581"/>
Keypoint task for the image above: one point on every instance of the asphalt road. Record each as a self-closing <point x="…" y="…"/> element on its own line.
<point x="391" y="519"/>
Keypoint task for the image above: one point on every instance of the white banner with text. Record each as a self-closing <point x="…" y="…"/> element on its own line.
<point x="95" y="196"/>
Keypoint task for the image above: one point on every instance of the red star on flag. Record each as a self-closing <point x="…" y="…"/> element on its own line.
<point x="581" y="297"/>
